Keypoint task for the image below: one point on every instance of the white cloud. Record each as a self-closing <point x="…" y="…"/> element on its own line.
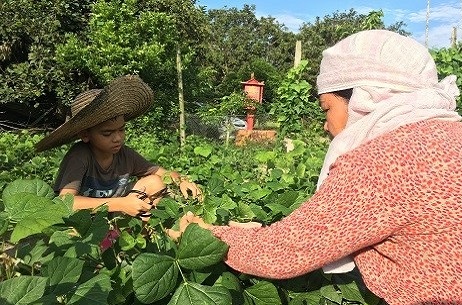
<point x="292" y="22"/>
<point x="446" y="12"/>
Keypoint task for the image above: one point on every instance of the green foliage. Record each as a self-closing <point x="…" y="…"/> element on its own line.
<point x="228" y="105"/>
<point x="449" y="61"/>
<point x="19" y="160"/>
<point x="121" y="40"/>
<point x="234" y="104"/>
<point x="31" y="84"/>
<point x="294" y="107"/>
<point x="240" y="44"/>
<point x="61" y="261"/>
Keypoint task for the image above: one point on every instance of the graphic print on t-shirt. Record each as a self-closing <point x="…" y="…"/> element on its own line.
<point x="92" y="187"/>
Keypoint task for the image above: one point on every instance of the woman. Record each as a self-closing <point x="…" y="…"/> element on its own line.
<point x="389" y="194"/>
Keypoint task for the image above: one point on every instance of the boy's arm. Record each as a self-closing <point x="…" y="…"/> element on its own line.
<point x="129" y="204"/>
<point x="161" y="172"/>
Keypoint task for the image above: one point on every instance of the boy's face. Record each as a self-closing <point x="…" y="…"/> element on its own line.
<point x="107" y="137"/>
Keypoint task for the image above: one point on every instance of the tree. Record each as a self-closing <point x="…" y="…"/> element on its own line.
<point x="126" y="37"/>
<point x="241" y="44"/>
<point x="190" y="28"/>
<point x="30" y="81"/>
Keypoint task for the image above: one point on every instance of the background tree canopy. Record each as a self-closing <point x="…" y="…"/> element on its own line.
<point x="52" y="50"/>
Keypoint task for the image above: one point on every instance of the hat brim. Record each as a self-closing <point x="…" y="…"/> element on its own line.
<point x="127" y="95"/>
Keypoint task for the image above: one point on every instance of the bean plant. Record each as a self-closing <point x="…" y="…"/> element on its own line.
<point x="51" y="254"/>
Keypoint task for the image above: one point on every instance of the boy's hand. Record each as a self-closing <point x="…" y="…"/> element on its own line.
<point x="195" y="191"/>
<point x="134" y="206"/>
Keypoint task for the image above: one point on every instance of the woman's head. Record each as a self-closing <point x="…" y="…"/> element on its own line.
<point x="376" y="58"/>
<point x="389" y="75"/>
<point x="394" y="82"/>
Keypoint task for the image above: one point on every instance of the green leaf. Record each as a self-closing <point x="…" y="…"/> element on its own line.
<point x="35" y="186"/>
<point x="259" y="194"/>
<point x="329" y="292"/>
<point x="35" y="252"/>
<point x="154" y="276"/>
<point x="126" y="241"/>
<point x="67" y="201"/>
<point x="351" y="292"/>
<point x="227" y="203"/>
<point x="312" y="297"/>
<point x="288" y="198"/>
<point x="22" y="290"/>
<point x="37" y="221"/>
<point x="258" y="211"/>
<point x="194" y="294"/>
<point x="210" y="213"/>
<point x="81" y="220"/>
<point x="140" y="241"/>
<point x="198" y="248"/>
<point x="245" y="211"/>
<point x="82" y="249"/>
<point x="97" y="229"/>
<point x="278" y="208"/>
<point x="23" y="205"/>
<point x="199" y="276"/>
<point x="4" y="222"/>
<point x="301" y="169"/>
<point x="264" y="293"/>
<point x="204" y="150"/>
<point x="63" y="238"/>
<point x="171" y="207"/>
<point x="94" y="291"/>
<point x="215" y="186"/>
<point x="275" y="186"/>
<point x="63" y="273"/>
<point x="265" y="156"/>
<point x="229" y="280"/>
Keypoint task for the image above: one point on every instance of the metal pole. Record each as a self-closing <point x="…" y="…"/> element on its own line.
<point x="426" y="26"/>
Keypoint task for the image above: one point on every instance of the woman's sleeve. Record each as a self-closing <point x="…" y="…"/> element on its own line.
<point x="352" y="210"/>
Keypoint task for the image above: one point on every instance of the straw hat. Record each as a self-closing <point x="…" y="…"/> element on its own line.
<point x="126" y="95"/>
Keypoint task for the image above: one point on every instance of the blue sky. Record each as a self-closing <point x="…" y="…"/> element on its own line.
<point x="443" y="14"/>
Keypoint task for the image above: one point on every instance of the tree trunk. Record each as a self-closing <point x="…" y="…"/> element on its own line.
<point x="181" y="97"/>
<point x="298" y="53"/>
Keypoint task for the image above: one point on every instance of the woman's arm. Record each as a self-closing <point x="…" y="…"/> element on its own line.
<point x="351" y="211"/>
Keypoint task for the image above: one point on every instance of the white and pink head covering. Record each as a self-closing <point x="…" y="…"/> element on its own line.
<point x="394" y="81"/>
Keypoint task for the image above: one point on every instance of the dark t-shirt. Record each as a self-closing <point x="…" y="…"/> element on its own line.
<point x="80" y="171"/>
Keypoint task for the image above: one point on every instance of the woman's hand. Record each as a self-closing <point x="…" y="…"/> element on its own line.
<point x="245" y="225"/>
<point x="185" y="220"/>
<point x="189" y="217"/>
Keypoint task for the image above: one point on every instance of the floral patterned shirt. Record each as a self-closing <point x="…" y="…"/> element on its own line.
<point x="394" y="204"/>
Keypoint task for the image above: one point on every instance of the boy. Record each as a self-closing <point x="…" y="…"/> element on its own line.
<point x="98" y="169"/>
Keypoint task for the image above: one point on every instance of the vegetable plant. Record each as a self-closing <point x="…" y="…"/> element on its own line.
<point x="51" y="254"/>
